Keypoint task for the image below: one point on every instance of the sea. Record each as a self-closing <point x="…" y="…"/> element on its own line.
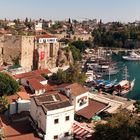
<point x="133" y="72"/>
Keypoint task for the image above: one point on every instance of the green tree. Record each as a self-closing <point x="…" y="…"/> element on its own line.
<point x="70" y="76"/>
<point x="79" y="45"/>
<point x="75" y="74"/>
<point x="59" y="77"/>
<point x="117" y="35"/>
<point x="122" y="126"/>
<point x="75" y="53"/>
<point x="8" y="85"/>
<point x="3" y="103"/>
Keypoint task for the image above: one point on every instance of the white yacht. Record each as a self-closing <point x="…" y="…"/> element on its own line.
<point x="132" y="57"/>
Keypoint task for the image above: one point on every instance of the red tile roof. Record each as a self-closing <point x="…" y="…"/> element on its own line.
<point x="49" y="87"/>
<point x="32" y="73"/>
<point x="45" y="36"/>
<point x="36" y="84"/>
<point x="77" y="89"/>
<point x="24" y="75"/>
<point x="42" y="71"/>
<point x="23" y="95"/>
<point x="19" y="130"/>
<point x="12" y="98"/>
<point x="37" y="77"/>
<point x="91" y="110"/>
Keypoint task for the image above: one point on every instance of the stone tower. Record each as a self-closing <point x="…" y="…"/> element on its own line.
<point x="18" y="48"/>
<point x="46" y="49"/>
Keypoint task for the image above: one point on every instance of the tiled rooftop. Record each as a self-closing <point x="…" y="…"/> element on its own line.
<point x="32" y="73"/>
<point x="36" y="84"/>
<point x="19" y="130"/>
<point x="24" y="75"/>
<point x="45" y="36"/>
<point x="77" y="89"/>
<point x="42" y="71"/>
<point x="22" y="95"/>
<point x="91" y="110"/>
<point x="37" y="77"/>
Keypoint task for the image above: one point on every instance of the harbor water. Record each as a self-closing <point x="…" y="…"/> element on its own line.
<point x="133" y="72"/>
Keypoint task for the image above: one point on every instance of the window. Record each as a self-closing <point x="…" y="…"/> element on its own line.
<point x="67" y="118"/>
<point x="66" y="134"/>
<point x="56" y="121"/>
<point x="82" y="102"/>
<point x="51" y="49"/>
<point x="55" y="137"/>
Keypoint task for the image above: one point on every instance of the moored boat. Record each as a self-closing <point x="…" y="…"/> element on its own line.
<point x="125" y="85"/>
<point x="132" y="57"/>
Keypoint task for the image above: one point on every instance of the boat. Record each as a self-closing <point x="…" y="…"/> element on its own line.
<point x="125" y="85"/>
<point x="105" y="85"/>
<point x="132" y="57"/>
<point x="105" y="70"/>
<point x="109" y="86"/>
<point x="102" y="66"/>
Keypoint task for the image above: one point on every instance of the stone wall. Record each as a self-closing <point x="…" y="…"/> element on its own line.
<point x="27" y="52"/>
<point x="27" y="48"/>
<point x="17" y="47"/>
<point x="11" y="48"/>
<point x="1" y="49"/>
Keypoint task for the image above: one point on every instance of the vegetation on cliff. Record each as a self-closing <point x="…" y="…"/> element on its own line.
<point x="117" y="35"/>
<point x="73" y="74"/>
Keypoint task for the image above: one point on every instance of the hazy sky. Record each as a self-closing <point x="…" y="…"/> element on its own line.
<point x="108" y="10"/>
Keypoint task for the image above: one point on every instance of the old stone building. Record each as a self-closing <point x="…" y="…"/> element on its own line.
<point x="17" y="50"/>
<point x="45" y="51"/>
<point x="30" y="52"/>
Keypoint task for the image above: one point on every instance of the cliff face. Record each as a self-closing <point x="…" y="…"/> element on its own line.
<point x="64" y="58"/>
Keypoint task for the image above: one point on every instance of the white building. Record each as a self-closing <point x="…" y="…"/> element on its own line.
<point x="34" y="80"/>
<point x="19" y="102"/>
<point x="78" y="95"/>
<point x="38" y="26"/>
<point x="53" y="116"/>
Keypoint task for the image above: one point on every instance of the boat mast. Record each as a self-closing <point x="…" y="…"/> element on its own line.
<point x="125" y="74"/>
<point x="109" y="73"/>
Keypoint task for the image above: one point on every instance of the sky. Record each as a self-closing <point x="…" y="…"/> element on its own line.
<point x="107" y="10"/>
